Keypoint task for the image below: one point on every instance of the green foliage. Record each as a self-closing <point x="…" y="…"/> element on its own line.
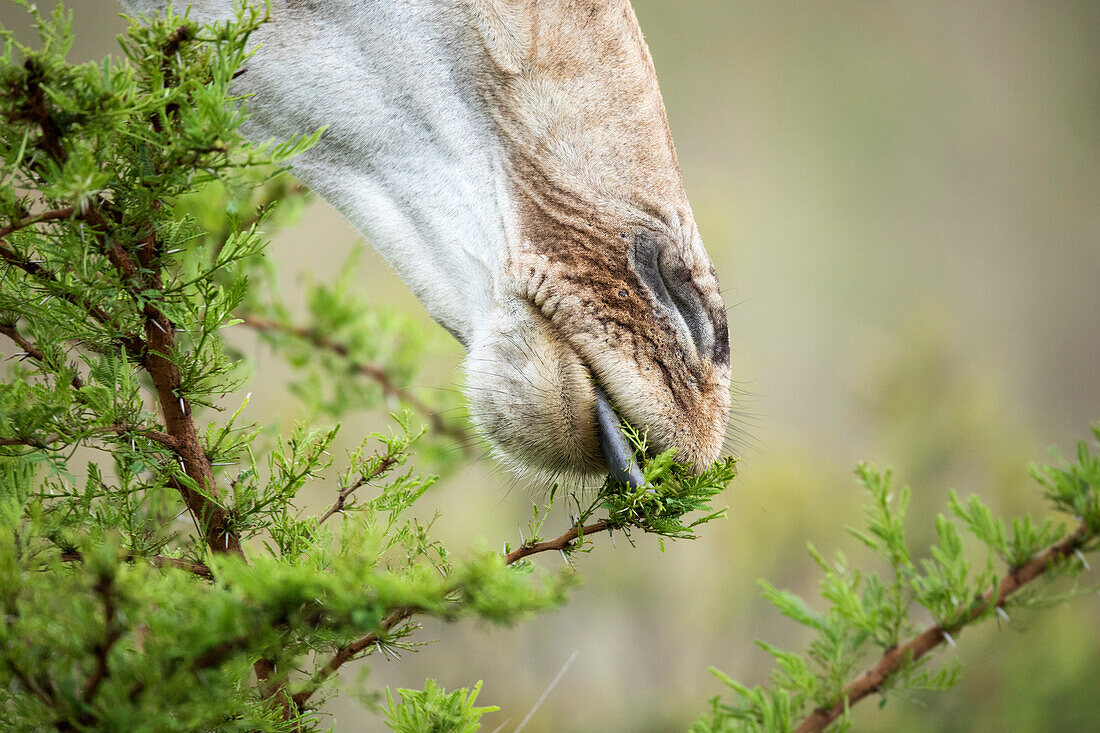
<point x="870" y="617"/>
<point x="433" y="710"/>
<point x="670" y="493"/>
<point x="157" y="569"/>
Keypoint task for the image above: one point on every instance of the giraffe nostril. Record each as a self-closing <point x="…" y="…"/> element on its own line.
<point x="672" y="286"/>
<point x="689" y="306"/>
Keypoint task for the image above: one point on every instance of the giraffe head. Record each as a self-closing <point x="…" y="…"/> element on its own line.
<point x="605" y="288"/>
<point x="512" y="161"/>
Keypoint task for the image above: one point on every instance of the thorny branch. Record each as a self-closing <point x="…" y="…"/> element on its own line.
<point x="348" y="652"/>
<point x="160" y="561"/>
<point x="156" y="346"/>
<point x="344" y="494"/>
<point x="45" y="442"/>
<point x="40" y="273"/>
<point x="105" y="589"/>
<point x="871" y="681"/>
<point x="152" y="353"/>
<point x="31" y="350"/>
<point x="559" y="544"/>
<point x="373" y="371"/>
<point x="32" y="219"/>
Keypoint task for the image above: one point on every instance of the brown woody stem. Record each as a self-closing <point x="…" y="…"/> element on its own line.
<point x="160" y="561"/>
<point x="153" y="352"/>
<point x="104" y="588"/>
<point x="871" y="681"/>
<point x="32" y="219"/>
<point x="344" y="494"/>
<point x="372" y="371"/>
<point x="348" y="652"/>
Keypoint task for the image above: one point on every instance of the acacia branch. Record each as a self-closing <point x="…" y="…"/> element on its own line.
<point x="900" y="657"/>
<point x="111" y="635"/>
<point x="133" y="345"/>
<point x="32" y="219"/>
<point x="36" y="110"/>
<point x="44" y="443"/>
<point x="560" y="543"/>
<point x="33" y="352"/>
<point x="348" y="652"/>
<point x="344" y="494"/>
<point x="372" y="371"/>
<point x="154" y="352"/>
<point x="345" y="654"/>
<point x="159" y="561"/>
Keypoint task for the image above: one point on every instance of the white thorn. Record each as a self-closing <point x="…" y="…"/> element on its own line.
<point x="948" y="639"/>
<point x="1002" y="614"/>
<point x="1081" y="557"/>
<point x="564" y="559"/>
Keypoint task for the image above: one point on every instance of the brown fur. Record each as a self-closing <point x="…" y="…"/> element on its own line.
<point x="595" y="175"/>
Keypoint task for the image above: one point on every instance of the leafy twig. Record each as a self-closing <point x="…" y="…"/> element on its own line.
<point x="31" y="219"/>
<point x="871" y="681"/>
<point x="160" y="561"/>
<point x="561" y="543"/>
<point x="42" y="274"/>
<point x="344" y="494"/>
<point x="105" y="589"/>
<point x="32" y="350"/>
<point x="349" y="651"/>
<point x="159" y="342"/>
<point x="372" y="371"/>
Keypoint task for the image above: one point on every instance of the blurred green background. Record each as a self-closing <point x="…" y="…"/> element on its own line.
<point x="902" y="203"/>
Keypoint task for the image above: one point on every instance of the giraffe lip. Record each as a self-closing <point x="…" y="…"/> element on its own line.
<point x="618" y="454"/>
<point x="617" y="451"/>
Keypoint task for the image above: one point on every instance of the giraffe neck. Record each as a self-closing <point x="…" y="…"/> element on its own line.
<point x="410" y="153"/>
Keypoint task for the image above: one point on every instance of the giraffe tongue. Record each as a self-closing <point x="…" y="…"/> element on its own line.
<point x="616" y="450"/>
